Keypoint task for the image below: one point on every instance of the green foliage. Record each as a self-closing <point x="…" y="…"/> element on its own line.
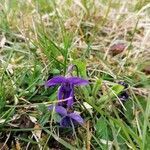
<point x="112" y="92"/>
<point x="81" y="65"/>
<point x="103" y="130"/>
<point x="96" y="87"/>
<point x="44" y="114"/>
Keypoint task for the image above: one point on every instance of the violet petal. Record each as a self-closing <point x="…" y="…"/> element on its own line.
<point x="61" y="93"/>
<point x="65" y="94"/>
<point x="124" y="96"/>
<point x="59" y="109"/>
<point x="76" y="117"/>
<point x="56" y="80"/>
<point x="65" y="122"/>
<point x="71" y="100"/>
<point x="64" y="91"/>
<point x="77" y="81"/>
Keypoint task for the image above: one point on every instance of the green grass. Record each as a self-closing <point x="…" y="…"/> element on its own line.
<point x="39" y="39"/>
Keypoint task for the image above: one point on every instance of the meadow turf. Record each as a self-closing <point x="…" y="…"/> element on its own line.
<point x="109" y="43"/>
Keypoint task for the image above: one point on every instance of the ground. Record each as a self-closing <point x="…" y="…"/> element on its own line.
<point x="107" y="41"/>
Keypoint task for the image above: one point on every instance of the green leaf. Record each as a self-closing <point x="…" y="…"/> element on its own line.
<point x="81" y="64"/>
<point x="42" y="108"/>
<point x="147" y="144"/>
<point x="129" y="111"/>
<point x="117" y="88"/>
<point x="44" y="118"/>
<point x="113" y="92"/>
<point x="96" y="87"/>
<point x="45" y="114"/>
<point x="102" y="130"/>
<point x="57" y="138"/>
<point x="56" y="117"/>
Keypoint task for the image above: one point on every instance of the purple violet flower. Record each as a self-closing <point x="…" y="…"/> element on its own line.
<point x="67" y="117"/>
<point x="66" y="89"/>
<point x="124" y="96"/>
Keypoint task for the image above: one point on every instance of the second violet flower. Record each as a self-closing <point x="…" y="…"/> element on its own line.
<point x="67" y="118"/>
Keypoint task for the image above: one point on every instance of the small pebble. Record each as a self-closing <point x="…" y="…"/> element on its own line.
<point x="146" y="70"/>
<point x="117" y="48"/>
